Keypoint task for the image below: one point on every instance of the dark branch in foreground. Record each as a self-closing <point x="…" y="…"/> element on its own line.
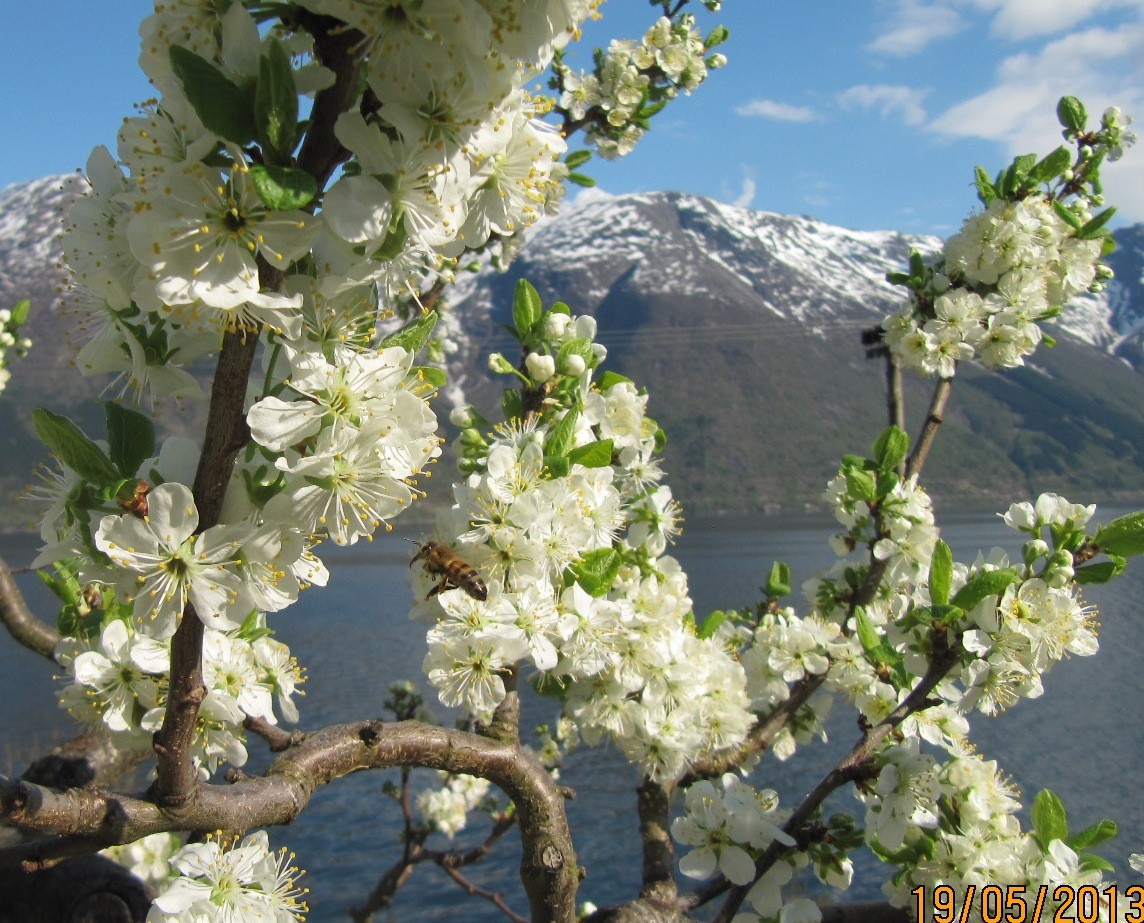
<point x="82" y="821"/>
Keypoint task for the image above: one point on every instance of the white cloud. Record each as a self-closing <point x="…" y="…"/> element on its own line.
<point x="912" y="26"/>
<point x="746" y="194"/>
<point x="888" y="100"/>
<point x="1102" y="66"/>
<point x="770" y="109"/>
<point x="1022" y="19"/>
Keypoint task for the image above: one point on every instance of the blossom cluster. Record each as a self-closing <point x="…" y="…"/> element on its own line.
<point x="119" y="681"/>
<point x="242" y="880"/>
<point x="564" y="517"/>
<point x="1037" y="243"/>
<point x="446" y="808"/>
<point x="671" y="57"/>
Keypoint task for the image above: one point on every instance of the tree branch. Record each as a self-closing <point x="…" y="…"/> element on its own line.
<point x="934" y="418"/>
<point x="18" y="619"/>
<point x="85" y="820"/>
<point x="654" y="806"/>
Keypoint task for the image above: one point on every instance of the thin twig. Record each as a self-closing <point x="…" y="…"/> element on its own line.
<point x="934" y="418"/>
<point x="475" y="890"/>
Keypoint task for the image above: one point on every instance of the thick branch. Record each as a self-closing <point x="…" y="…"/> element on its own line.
<point x="85" y="820"/>
<point x="22" y="625"/>
<point x="654" y="805"/>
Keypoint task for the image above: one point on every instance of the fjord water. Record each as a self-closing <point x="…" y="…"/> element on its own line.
<point x="1082" y="738"/>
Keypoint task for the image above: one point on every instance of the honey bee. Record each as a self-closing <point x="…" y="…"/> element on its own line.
<point x="442" y="561"/>
<point x="136" y="504"/>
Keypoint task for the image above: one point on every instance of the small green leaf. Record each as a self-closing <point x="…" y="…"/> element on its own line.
<point x="130" y="436"/>
<point x="778" y="581"/>
<point x="283" y="188"/>
<point x="577" y="158"/>
<point x="431" y="375"/>
<point x="596" y="454"/>
<point x="1094" y="228"/>
<point x="1067" y="215"/>
<point x="1052" y="165"/>
<point x="891" y="447"/>
<point x="559" y="441"/>
<point x="578" y="346"/>
<point x="526" y="308"/>
<point x="276" y="103"/>
<point x="985" y="189"/>
<point x="711" y="625"/>
<point x="221" y="105"/>
<point x="861" y="485"/>
<point x="940" y="574"/>
<point x="596" y="571"/>
<point x="1100" y="573"/>
<point x="1049" y="819"/>
<point x="1090" y="862"/>
<point x="582" y="179"/>
<point x="73" y="448"/>
<point x="716" y="37"/>
<point x="20" y="312"/>
<point x="414" y="334"/>
<point x="512" y="404"/>
<point x="1071" y="113"/>
<point x="609" y="378"/>
<point x="982" y="586"/>
<point x="1123" y="536"/>
<point x="1093" y="836"/>
<point x="557" y="466"/>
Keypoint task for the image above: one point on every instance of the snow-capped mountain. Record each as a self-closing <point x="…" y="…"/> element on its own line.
<point x="745" y="328"/>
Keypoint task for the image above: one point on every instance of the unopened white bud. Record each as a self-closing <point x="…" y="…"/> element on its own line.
<point x="500" y="365"/>
<point x="540" y="368"/>
<point x="573" y="364"/>
<point x="461" y="417"/>
<point x="555" y="324"/>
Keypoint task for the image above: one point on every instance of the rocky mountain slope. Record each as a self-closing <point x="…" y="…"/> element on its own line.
<point x="745" y="328"/>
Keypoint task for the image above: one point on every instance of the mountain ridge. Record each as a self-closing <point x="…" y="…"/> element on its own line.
<point x="745" y="328"/>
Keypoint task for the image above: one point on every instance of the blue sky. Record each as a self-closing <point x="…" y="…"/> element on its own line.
<point x="864" y="113"/>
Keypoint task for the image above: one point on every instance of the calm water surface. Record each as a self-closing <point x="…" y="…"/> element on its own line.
<point x="1082" y="738"/>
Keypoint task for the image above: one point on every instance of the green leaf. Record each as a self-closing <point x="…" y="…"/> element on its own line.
<point x="1049" y="819"/>
<point x="283" y="188"/>
<point x="130" y="436"/>
<point x="1067" y="215"/>
<point x="557" y="466"/>
<point x="577" y="158"/>
<point x="596" y="571"/>
<point x="985" y="189"/>
<point x="582" y="179"/>
<point x="596" y="454"/>
<point x="73" y="448"/>
<point x="219" y="102"/>
<point x="413" y="335"/>
<point x="1094" y="228"/>
<point x="867" y="633"/>
<point x="891" y="447"/>
<point x="20" y="312"/>
<point x="1100" y="573"/>
<point x="512" y="404"/>
<point x="982" y="586"/>
<point x="778" y="581"/>
<point x="526" y="308"/>
<point x="609" y="378"/>
<point x="1090" y="862"/>
<point x="716" y="37"/>
<point x="711" y="625"/>
<point x="1093" y="836"/>
<point x="1071" y="113"/>
<point x="431" y="375"/>
<point x="861" y="485"/>
<point x="940" y="574"/>
<point x="1052" y="165"/>
<point x="1023" y="165"/>
<point x="276" y="102"/>
<point x="559" y="441"/>
<point x="1123" y="536"/>
<point x="578" y="346"/>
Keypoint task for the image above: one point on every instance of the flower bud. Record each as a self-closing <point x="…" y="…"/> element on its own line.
<point x="461" y="417"/>
<point x="499" y="365"/>
<point x="540" y="368"/>
<point x="717" y="60"/>
<point x="555" y="324"/>
<point x="573" y="365"/>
